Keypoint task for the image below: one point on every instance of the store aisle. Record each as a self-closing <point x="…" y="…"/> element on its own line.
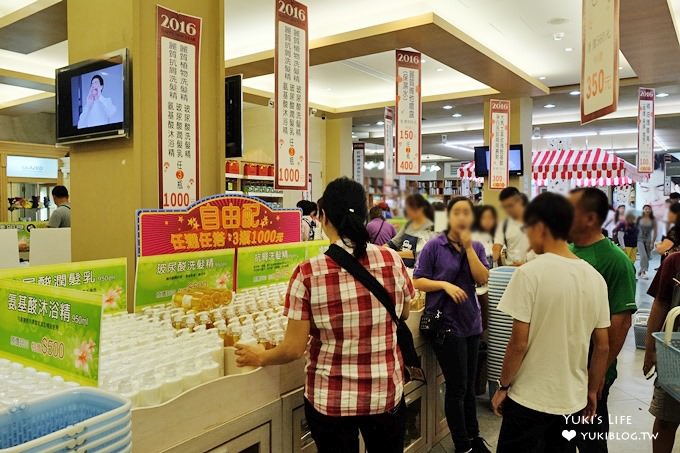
<point x="628" y="401"/>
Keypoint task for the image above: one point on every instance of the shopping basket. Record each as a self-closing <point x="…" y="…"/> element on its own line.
<point x="640" y="327"/>
<point x="668" y="356"/>
<point x="65" y="421"/>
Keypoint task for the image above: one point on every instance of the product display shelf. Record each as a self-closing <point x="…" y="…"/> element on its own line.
<point x="258" y="178"/>
<point x="264" y="195"/>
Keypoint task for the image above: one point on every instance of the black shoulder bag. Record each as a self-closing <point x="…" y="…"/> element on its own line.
<point x="413" y="370"/>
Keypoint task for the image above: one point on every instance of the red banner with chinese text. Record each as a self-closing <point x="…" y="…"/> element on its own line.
<point x="217" y="222"/>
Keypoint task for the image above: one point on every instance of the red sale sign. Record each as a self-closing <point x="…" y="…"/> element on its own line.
<point x="217" y="222"/>
<point x="499" y="144"/>
<point x="408" y="112"/>
<point x="645" y="158"/>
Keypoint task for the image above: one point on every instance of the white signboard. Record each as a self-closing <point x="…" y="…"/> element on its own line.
<point x="600" y="59"/>
<point x="179" y="39"/>
<point x="359" y="153"/>
<point x="32" y="167"/>
<point x="499" y="144"/>
<point x="291" y="105"/>
<point x="645" y="158"/>
<point x="408" y="113"/>
<point x="388" y="179"/>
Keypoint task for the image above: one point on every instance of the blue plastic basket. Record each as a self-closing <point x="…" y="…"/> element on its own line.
<point x="668" y="363"/>
<point x="61" y="422"/>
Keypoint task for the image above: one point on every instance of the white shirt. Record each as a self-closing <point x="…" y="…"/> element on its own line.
<point x="514" y="240"/>
<point x="485" y="239"/>
<point x="99" y="113"/>
<point x="563" y="300"/>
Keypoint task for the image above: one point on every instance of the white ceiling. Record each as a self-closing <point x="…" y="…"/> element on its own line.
<point x="10" y="6"/>
<point x="10" y="93"/>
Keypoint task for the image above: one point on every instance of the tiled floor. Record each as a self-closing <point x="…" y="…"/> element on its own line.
<point x="630" y="396"/>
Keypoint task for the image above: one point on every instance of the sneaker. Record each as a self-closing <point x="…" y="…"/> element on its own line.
<point x="480" y="445"/>
<point x="643" y="275"/>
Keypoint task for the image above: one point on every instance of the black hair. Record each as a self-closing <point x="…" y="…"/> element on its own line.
<point x="456" y="200"/>
<point x="100" y="78"/>
<point x="479" y="212"/>
<point x="508" y="192"/>
<point x="675" y="209"/>
<point x="595" y="201"/>
<point x="60" y="192"/>
<point x="674" y="196"/>
<point x="438" y="206"/>
<point x="376" y="212"/>
<point x="617" y="215"/>
<point x="651" y="212"/>
<point x="343" y="204"/>
<point x="552" y="210"/>
<point x="308" y="207"/>
<point x="417" y="201"/>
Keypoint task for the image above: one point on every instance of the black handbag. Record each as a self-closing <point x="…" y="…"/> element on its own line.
<point x="412" y="365"/>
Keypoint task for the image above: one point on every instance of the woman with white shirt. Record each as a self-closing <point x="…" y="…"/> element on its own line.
<point x="484" y="228"/>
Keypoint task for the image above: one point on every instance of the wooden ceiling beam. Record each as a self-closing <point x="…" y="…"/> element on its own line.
<point x="25" y="80"/>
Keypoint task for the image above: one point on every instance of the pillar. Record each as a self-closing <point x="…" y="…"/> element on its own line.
<point x="111" y="179"/>
<point x="338" y="149"/>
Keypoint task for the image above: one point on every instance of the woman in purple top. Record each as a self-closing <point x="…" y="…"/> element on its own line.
<point x="448" y="268"/>
<point x="379" y="230"/>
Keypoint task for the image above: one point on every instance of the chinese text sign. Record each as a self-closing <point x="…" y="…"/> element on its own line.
<point x="408" y="112"/>
<point x="645" y="159"/>
<point x="499" y="144"/>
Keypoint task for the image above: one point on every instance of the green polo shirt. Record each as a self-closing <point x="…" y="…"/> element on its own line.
<point x="619" y="274"/>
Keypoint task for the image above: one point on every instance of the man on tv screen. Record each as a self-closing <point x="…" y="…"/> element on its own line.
<point x="98" y="110"/>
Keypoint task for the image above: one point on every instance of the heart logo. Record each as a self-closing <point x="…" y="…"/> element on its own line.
<point x="569" y="434"/>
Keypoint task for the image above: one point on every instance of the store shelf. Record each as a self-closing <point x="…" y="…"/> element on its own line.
<point x="264" y="195"/>
<point x="258" y="178"/>
<point x="233" y="176"/>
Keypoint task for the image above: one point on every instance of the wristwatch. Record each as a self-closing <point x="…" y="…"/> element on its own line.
<point x="501" y="387"/>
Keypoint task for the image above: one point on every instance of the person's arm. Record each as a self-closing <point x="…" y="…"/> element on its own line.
<point x="597" y="370"/>
<point x="395" y="242"/>
<point x="292" y="348"/>
<point x="657" y="317"/>
<point x="109" y="108"/>
<point x="479" y="268"/>
<point x="55" y="219"/>
<point x="514" y="356"/>
<point x="423" y="276"/>
<point x="620" y="325"/>
<point x="408" y="290"/>
<point x="664" y="246"/>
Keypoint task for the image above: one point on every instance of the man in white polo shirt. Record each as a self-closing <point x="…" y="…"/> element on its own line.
<point x="557" y="302"/>
<point x="510" y="235"/>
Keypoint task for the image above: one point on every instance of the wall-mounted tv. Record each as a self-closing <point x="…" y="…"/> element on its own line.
<point x="94" y="99"/>
<point x="515" y="164"/>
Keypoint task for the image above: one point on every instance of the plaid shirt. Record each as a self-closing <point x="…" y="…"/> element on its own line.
<point x="353" y="362"/>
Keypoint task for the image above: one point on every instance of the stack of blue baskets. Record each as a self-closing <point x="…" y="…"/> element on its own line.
<point x="78" y="420"/>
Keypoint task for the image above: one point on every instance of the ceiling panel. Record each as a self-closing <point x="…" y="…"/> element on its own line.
<point x="10" y="6"/>
<point x="37" y="31"/>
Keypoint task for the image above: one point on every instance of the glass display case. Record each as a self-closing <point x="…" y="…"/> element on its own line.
<point x="29" y="201"/>
<point x="415" y="438"/>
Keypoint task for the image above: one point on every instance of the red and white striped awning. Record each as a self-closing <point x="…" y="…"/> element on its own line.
<point x="467" y="171"/>
<point x="594" y="167"/>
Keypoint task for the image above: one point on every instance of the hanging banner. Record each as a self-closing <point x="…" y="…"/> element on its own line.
<point x="645" y="159"/>
<point x="178" y="54"/>
<point x="291" y="101"/>
<point x="388" y="178"/>
<point x="359" y="156"/>
<point x="51" y="329"/>
<point x="106" y="278"/>
<point x="408" y="113"/>
<point x="600" y="59"/>
<point x="160" y="277"/>
<point x="499" y="144"/>
<point x="214" y="223"/>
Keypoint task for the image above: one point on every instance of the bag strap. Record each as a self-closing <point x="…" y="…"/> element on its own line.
<point x="378" y="233"/>
<point x="505" y="233"/>
<point x="361" y="274"/>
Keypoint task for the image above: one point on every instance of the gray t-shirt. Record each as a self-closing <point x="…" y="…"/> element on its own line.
<point x="61" y="217"/>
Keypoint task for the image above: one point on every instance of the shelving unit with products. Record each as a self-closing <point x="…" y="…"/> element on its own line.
<point x="253" y="179"/>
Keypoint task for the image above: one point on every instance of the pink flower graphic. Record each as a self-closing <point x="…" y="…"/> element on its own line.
<point x="111" y="297"/>
<point x="83" y="355"/>
<point x="222" y="280"/>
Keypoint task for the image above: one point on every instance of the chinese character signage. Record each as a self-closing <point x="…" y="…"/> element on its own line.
<point x="645" y="160"/>
<point x="160" y="277"/>
<point x="23" y="232"/>
<point x="499" y="144"/>
<point x="215" y="223"/>
<point x="600" y="59"/>
<point x="408" y="112"/>
<point x="51" y="329"/>
<point x="179" y="39"/>
<point x="265" y="265"/>
<point x="359" y="154"/>
<point x="105" y="278"/>
<point x="291" y="70"/>
<point x="388" y="179"/>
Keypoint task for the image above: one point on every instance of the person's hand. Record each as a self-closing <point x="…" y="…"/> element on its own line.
<point x="591" y="408"/>
<point x="497" y="402"/>
<point x="247" y="355"/>
<point x="650" y="361"/>
<point x="91" y="97"/>
<point x="456" y="293"/>
<point x="466" y="239"/>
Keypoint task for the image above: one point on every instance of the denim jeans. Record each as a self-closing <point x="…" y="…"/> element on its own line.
<point x="457" y="358"/>
<point x="645" y="250"/>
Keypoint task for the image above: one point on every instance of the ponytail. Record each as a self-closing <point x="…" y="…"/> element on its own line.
<point x="344" y="206"/>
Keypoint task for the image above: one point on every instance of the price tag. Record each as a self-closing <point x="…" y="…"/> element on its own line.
<point x="408" y="112"/>
<point x="645" y="160"/>
<point x="499" y="144"/>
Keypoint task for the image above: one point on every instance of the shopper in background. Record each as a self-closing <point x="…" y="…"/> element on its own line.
<point x="484" y="228"/>
<point x="674" y="197"/>
<point x="413" y="236"/>
<point x="558" y="303"/>
<point x="627" y="234"/>
<point x="510" y="235"/>
<point x="671" y="243"/>
<point x="380" y="231"/>
<point x="589" y="244"/>
<point x="355" y="374"/>
<point x="309" y="224"/>
<point x="647" y="231"/>
<point x="610" y="222"/>
<point x="664" y="407"/>
<point x="61" y="217"/>
<point x="386" y="209"/>
<point x="448" y="268"/>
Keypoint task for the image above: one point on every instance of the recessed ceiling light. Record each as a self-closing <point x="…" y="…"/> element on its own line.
<point x="662" y="95"/>
<point x="456" y="115"/>
<point x="549" y="106"/>
<point x="423" y="168"/>
<point x="575" y="92"/>
<point x="558" y="36"/>
<point x="542" y="77"/>
<point x="449" y="107"/>
<point x="423" y="61"/>
<point x="620" y="68"/>
<point x="440" y="69"/>
<point x="380" y="123"/>
<point x="568" y="49"/>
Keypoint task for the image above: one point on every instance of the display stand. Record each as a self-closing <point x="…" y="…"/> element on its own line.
<point x="50" y="246"/>
<point x="9" y="248"/>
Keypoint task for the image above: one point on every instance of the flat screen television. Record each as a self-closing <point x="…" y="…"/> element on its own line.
<point x="94" y="99"/>
<point x="515" y="164"/>
<point x="233" y="101"/>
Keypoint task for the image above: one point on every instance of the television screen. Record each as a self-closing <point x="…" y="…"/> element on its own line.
<point x="233" y="101"/>
<point x="515" y="164"/>
<point x="93" y="100"/>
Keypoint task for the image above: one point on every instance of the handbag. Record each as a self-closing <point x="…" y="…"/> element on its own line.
<point x="412" y="365"/>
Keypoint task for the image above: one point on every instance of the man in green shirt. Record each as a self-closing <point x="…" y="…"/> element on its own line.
<point x="589" y="244"/>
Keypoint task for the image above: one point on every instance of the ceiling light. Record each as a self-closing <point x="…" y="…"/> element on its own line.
<point x="435" y="167"/>
<point x="542" y="77"/>
<point x="620" y="68"/>
<point x="549" y="106"/>
<point x="626" y="151"/>
<point x="558" y="36"/>
<point x="568" y="49"/>
<point x="380" y="123"/>
<point x="569" y="135"/>
<point x="575" y="92"/>
<point x="449" y="107"/>
<point x="440" y="69"/>
<point x="423" y="61"/>
<point x="456" y="115"/>
<point x="618" y="132"/>
<point x="423" y="169"/>
<point x="662" y="95"/>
